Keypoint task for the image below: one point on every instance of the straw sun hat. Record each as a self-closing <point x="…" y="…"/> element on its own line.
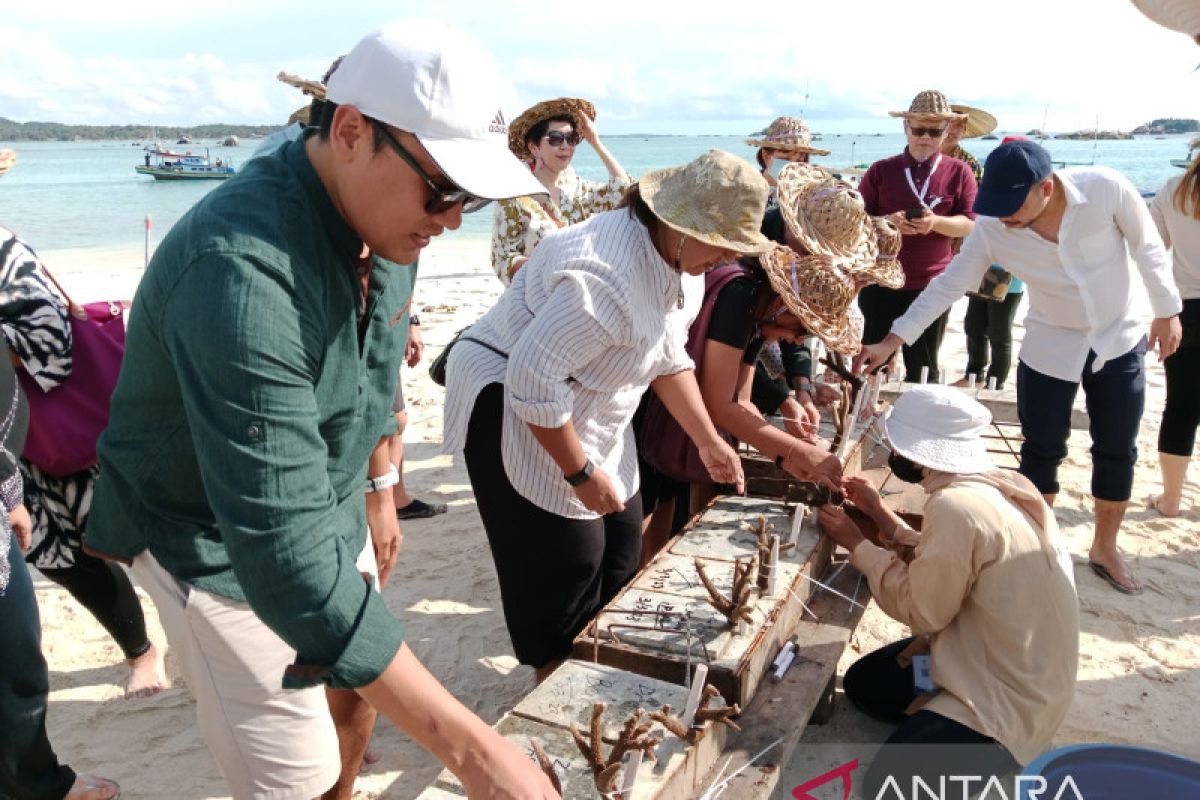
<point x="929" y="104"/>
<point x="827" y="217"/>
<point x="941" y="428"/>
<point x="717" y="199"/>
<point x="818" y="291"/>
<point x="790" y="134"/>
<point x="1178" y="15"/>
<point x="558" y="107"/>
<point x="8" y="158"/>
<point x="979" y="122"/>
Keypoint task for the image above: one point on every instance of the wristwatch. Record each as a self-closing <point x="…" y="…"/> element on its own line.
<point x="413" y="319"/>
<point x="583" y="475"/>
<point x="384" y="481"/>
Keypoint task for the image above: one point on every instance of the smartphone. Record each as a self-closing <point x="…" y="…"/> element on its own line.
<point x="914" y="213"/>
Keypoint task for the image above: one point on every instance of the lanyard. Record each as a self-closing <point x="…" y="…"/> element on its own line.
<point x="925" y="186"/>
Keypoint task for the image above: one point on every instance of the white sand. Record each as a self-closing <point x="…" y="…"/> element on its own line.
<point x="1138" y="678"/>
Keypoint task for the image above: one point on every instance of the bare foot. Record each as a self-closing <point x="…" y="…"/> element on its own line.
<point x="1159" y="503"/>
<point x="147" y="675"/>
<point x="370" y="757"/>
<point x="91" y="787"/>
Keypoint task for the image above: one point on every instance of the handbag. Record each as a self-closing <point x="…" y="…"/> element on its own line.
<point x="66" y="422"/>
<point x="994" y="286"/>
<point x="437" y="367"/>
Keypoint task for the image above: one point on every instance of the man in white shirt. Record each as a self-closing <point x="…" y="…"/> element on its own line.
<point x="1065" y="234"/>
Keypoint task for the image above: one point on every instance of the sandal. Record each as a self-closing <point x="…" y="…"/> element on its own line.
<point x="419" y="509"/>
<point x="1103" y="572"/>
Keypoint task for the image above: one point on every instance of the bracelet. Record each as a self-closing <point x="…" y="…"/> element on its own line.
<point x="780" y="460"/>
<point x="385" y="481"/>
<point x="583" y="475"/>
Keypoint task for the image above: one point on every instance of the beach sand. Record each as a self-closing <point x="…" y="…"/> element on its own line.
<point x="1138" y="675"/>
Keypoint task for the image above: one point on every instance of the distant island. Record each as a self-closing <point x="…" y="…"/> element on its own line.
<point x="1160" y="127"/>
<point x="11" y="131"/>
<point x="1094" y="134"/>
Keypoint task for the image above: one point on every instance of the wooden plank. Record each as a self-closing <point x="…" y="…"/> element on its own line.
<point x="1003" y="408"/>
<point x="781" y="710"/>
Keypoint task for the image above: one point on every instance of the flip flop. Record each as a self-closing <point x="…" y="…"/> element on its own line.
<point x="1103" y="572"/>
<point x="419" y="509"/>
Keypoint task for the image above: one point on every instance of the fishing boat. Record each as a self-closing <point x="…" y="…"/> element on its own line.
<point x="1193" y="148"/>
<point x="187" y="167"/>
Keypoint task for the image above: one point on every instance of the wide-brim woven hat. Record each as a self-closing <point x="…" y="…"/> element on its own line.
<point x="558" y="107"/>
<point x="718" y="199"/>
<point x="1178" y="15"/>
<point x="827" y="216"/>
<point x="940" y="427"/>
<point x="979" y="122"/>
<point x="929" y="104"/>
<point x="818" y="291"/>
<point x="8" y="158"/>
<point x="886" y="271"/>
<point x="790" y="134"/>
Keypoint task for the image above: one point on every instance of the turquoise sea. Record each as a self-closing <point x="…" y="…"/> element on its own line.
<point x="86" y="194"/>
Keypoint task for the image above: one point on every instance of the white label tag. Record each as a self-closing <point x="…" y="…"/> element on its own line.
<point x="922" y="666"/>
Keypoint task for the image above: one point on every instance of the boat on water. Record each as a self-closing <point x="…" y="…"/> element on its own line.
<point x="1193" y="149"/>
<point x="185" y="167"/>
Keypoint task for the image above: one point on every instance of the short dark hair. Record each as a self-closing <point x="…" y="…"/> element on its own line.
<point x="325" y="126"/>
<point x="638" y="209"/>
<point x="539" y="130"/>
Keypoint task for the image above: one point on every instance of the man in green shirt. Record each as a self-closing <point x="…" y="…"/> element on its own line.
<point x="254" y="407"/>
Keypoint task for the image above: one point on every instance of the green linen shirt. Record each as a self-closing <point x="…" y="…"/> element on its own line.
<point x="247" y="407"/>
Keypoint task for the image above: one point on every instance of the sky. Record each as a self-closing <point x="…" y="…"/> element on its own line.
<point x="650" y="66"/>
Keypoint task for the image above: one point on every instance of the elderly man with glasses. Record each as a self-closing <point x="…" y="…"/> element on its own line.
<point x="254" y="410"/>
<point x="928" y="196"/>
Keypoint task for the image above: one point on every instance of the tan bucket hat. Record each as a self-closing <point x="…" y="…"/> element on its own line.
<point x="817" y="291"/>
<point x="827" y="216"/>
<point x="718" y="199"/>
<point x="1178" y="15"/>
<point x="558" y="107"/>
<point x="790" y="134"/>
<point x="929" y="104"/>
<point x="979" y="122"/>
<point x="8" y="159"/>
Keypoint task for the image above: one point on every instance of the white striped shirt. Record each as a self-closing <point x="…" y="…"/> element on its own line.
<point x="588" y="323"/>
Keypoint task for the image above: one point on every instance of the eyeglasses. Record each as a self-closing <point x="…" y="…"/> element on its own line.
<point x="442" y="199"/>
<point x="932" y="133"/>
<point x="558" y="138"/>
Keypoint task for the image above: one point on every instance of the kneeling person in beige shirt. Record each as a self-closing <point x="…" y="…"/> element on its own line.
<point x="987" y="588"/>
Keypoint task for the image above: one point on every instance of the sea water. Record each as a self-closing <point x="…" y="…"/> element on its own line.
<point x="86" y="194"/>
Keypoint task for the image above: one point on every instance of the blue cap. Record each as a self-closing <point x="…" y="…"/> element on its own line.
<point x="1009" y="172"/>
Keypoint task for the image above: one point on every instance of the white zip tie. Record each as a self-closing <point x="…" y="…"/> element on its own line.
<point x="803" y="604"/>
<point x="708" y="795"/>
<point x="833" y="590"/>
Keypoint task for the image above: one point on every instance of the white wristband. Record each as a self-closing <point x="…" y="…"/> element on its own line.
<point x="385" y="481"/>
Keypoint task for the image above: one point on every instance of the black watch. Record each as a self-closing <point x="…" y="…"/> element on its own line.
<point x="583" y="475"/>
<point x="413" y="319"/>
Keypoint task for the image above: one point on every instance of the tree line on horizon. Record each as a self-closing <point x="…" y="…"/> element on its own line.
<point x="11" y="131"/>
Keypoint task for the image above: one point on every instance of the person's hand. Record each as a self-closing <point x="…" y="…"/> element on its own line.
<point x="1168" y="333"/>
<point x="811" y="418"/>
<point x="415" y="347"/>
<point x="503" y="772"/>
<point x="862" y="494"/>
<point x="837" y="525"/>
<point x="875" y="356"/>
<point x="723" y="463"/>
<point x="586" y="129"/>
<point x="598" y="494"/>
<point x="385" y="532"/>
<point x="811" y="462"/>
<point x="22" y="526"/>
<point x="919" y="226"/>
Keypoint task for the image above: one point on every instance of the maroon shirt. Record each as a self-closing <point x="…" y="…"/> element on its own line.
<point x="951" y="192"/>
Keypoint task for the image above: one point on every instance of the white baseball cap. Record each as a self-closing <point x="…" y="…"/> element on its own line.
<point x="940" y="427"/>
<point x="432" y="80"/>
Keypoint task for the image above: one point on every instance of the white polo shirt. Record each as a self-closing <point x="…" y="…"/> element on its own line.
<point x="1081" y="290"/>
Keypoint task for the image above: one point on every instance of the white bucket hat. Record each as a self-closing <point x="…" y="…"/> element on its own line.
<point x="437" y="83"/>
<point x="940" y="427"/>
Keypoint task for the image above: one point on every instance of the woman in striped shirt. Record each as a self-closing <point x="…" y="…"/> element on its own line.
<point x="541" y="391"/>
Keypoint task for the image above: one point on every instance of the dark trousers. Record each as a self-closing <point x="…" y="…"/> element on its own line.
<point x="988" y="326"/>
<point x="879" y="687"/>
<point x="29" y="770"/>
<point x="1116" y="397"/>
<point x="555" y="572"/>
<point x="103" y="588"/>
<point x="881" y="307"/>
<point x="1181" y="416"/>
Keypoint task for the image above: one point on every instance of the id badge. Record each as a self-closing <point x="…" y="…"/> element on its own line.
<point x="922" y="667"/>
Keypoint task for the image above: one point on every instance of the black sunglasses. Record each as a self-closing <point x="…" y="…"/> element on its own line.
<point x="557" y="138"/>
<point x="932" y="133"/>
<point x="442" y="199"/>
